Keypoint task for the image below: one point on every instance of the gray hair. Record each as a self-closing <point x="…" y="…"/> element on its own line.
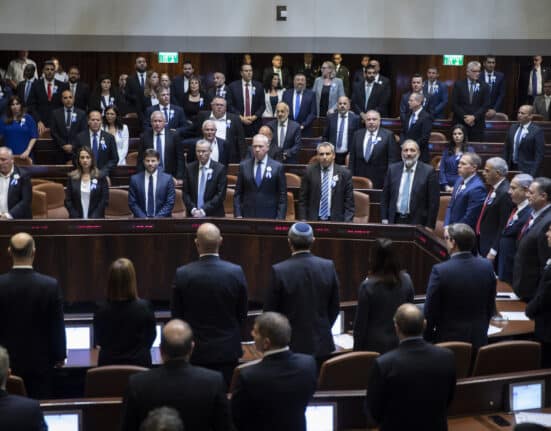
<point x="474" y="159"/>
<point x="326" y="144"/>
<point x="162" y="419"/>
<point x="523" y="180"/>
<point x="274" y="326"/>
<point x="472" y="64"/>
<point x="499" y="165"/>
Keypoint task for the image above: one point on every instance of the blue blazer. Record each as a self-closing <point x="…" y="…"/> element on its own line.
<point x="531" y="149"/>
<point x="497" y="90"/>
<point x="336" y="91"/>
<point x="20" y="413"/>
<point x="164" y="195"/>
<point x="465" y="207"/>
<point x="438" y="101"/>
<point x="307" y="112"/>
<point x="508" y="244"/>
<point x="177" y="119"/>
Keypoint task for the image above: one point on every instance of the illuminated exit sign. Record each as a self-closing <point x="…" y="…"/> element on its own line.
<point x="453" y="60"/>
<point x="168" y="57"/>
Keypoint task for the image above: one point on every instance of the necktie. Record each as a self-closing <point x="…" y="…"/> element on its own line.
<point x="511" y="217"/>
<point x="403" y="205"/>
<point x="526" y="226"/>
<point x="324" y="201"/>
<point x="297" y="105"/>
<point x="430" y="88"/>
<point x="73" y="89"/>
<point x="165" y="109"/>
<point x="49" y="91"/>
<point x="95" y="146"/>
<point x="202" y="182"/>
<point x="159" y="148"/>
<point x="459" y="189"/>
<point x="516" y="145"/>
<point x="367" y="94"/>
<point x="369" y="147"/>
<point x="534" y="83"/>
<point x="218" y="91"/>
<point x="340" y="133"/>
<point x="471" y="91"/>
<point x="247" y="101"/>
<point x="142" y="81"/>
<point x="150" y="198"/>
<point x="68" y="118"/>
<point x="486" y="202"/>
<point x="258" y="174"/>
<point x="281" y="135"/>
<point x="412" y="121"/>
<point x="27" y="90"/>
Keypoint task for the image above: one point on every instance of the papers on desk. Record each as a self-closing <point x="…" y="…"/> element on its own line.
<point x="514" y="315"/>
<point x="535" y="418"/>
<point x="507" y="296"/>
<point x="344" y="341"/>
<point x="494" y="330"/>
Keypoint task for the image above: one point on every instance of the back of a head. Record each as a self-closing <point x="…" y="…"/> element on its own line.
<point x="121" y="285"/>
<point x="463" y="235"/>
<point x="410" y="320"/>
<point x="22" y="246"/>
<point x="301" y="236"/>
<point x="176" y="340"/>
<point x="4" y="367"/>
<point x="384" y="261"/>
<point x="162" y="419"/>
<point x="276" y="327"/>
<point x="208" y="238"/>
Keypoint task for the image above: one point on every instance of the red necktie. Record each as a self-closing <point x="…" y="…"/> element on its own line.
<point x="49" y="91"/>
<point x="477" y="230"/>
<point x="525" y="227"/>
<point x="510" y="219"/>
<point x="247" y="101"/>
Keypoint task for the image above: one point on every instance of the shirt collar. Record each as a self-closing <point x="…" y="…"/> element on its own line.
<point x="9" y="174"/>
<point x="522" y="205"/>
<point x="22" y="267"/>
<point x="206" y="165"/>
<point x="275" y="351"/>
<point x="208" y="254"/>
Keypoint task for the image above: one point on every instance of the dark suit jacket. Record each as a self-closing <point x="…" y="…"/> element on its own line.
<point x="377" y="303"/>
<point x="211" y="295"/>
<point x="287" y="80"/>
<point x="198" y="394"/>
<point x="99" y="198"/>
<point x="235" y="135"/>
<point x="177" y="119"/>
<point x="165" y="195"/>
<point x="424" y="197"/>
<point x="173" y="157"/>
<point x="493" y="219"/>
<point x="530" y="151"/>
<point x="541" y="108"/>
<point x="465" y="207"/>
<point x="215" y="189"/>
<point x="305" y="288"/>
<point x="135" y="99"/>
<point x="378" y="99"/>
<point x="20" y="91"/>
<point x="404" y="106"/>
<point x="286" y="153"/>
<point x="419" y="132"/>
<point x="524" y="80"/>
<point x="478" y="107"/>
<point x="273" y="393"/>
<point x="20" y="194"/>
<point x="39" y="106"/>
<point x="20" y="413"/>
<point x="125" y="330"/>
<point x="236" y="104"/>
<point x="497" y="90"/>
<point x="108" y="157"/>
<point x="539" y="308"/>
<point x="331" y="130"/>
<point x="438" y="100"/>
<point x="460" y="300"/>
<point x="177" y="92"/>
<point x="405" y="393"/>
<point x="97" y="103"/>
<point x="82" y="95"/>
<point x="211" y="92"/>
<point x="307" y="111"/>
<point x="342" y="194"/>
<point x="267" y="201"/>
<point x="60" y="134"/>
<point x="385" y="152"/>
<point x="532" y="254"/>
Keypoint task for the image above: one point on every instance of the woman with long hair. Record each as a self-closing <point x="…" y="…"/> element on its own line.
<point x="18" y="129"/>
<point x="112" y="124"/>
<point x="450" y="158"/>
<point x="195" y="99"/>
<point x="328" y="89"/>
<point x="273" y="94"/>
<point x="104" y="96"/>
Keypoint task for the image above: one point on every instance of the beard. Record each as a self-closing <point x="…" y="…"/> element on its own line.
<point x="410" y="162"/>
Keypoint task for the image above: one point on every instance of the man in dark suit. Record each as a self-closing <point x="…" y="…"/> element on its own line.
<point x="67" y="122"/>
<point x="180" y="84"/>
<point x="372" y="150"/>
<point x="412" y="386"/>
<point x="246" y="99"/>
<point x="417" y="125"/>
<point x="151" y="193"/>
<point x="437" y="93"/>
<point x="410" y="192"/>
<point x="416" y="88"/>
<point x="261" y="189"/>
<point x="287" y="137"/>
<point x="277" y="69"/>
<point x="80" y="90"/>
<point x="515" y="222"/>
<point x="211" y="294"/>
<point x="198" y="394"/>
<point x="23" y="89"/>
<point x="135" y="86"/>
<point x="103" y="144"/>
<point x="342" y="72"/>
<point x="469" y="193"/>
<point x="542" y="102"/>
<point x="204" y="184"/>
<point x="302" y="104"/>
<point x="359" y="73"/>
<point x="326" y="190"/>
<point x="17" y="413"/>
<point x="496" y="82"/>
<point x="167" y="144"/>
<point x="340" y="127"/>
<point x="305" y="288"/>
<point x="45" y="96"/>
<point x="277" y="389"/>
<point x="31" y="319"/>
<point x="532" y="251"/>
<point x="531" y="80"/>
<point x="495" y="210"/>
<point x="384" y="82"/>
<point x="470" y="101"/>
<point x="370" y="95"/>
<point x="220" y="88"/>
<point x="228" y="128"/>
<point x="175" y="118"/>
<point x="461" y="292"/>
<point x="16" y="189"/>
<point x="308" y="68"/>
<point x="525" y="143"/>
<point x="221" y="150"/>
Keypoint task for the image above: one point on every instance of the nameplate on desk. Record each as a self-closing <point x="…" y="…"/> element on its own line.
<point x="354" y="232"/>
<point x="84" y="227"/>
<point x="279" y="229"/>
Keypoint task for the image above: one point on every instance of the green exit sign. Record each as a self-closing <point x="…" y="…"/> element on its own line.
<point x="168" y="57"/>
<point x="453" y="60"/>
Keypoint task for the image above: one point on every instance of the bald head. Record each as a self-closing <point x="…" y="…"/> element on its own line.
<point x="409" y="321"/>
<point x="266" y="131"/>
<point x="22" y="247"/>
<point x="208" y="239"/>
<point x="176" y="340"/>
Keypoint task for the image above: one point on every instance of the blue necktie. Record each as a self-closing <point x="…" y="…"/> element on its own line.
<point x="471" y="91"/>
<point x="159" y="148"/>
<point x="258" y="174"/>
<point x="95" y="146"/>
<point x="340" y="133"/>
<point x="27" y="90"/>
<point x="324" y="201"/>
<point x="412" y="121"/>
<point x="142" y="82"/>
<point x="516" y="146"/>
<point x="150" y="198"/>
<point x="368" y="88"/>
<point x="534" y="83"/>
<point x="404" y="202"/>
<point x="297" y="105"/>
<point x="369" y="147"/>
<point x="202" y="183"/>
<point x="166" y="115"/>
<point x="68" y="118"/>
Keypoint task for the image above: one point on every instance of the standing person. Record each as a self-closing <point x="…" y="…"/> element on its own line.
<point x="14" y="73"/>
<point x="246" y="98"/>
<point x="417" y="125"/>
<point x="80" y="90"/>
<point x="67" y="123"/>
<point x="211" y="294"/>
<point x="124" y="325"/>
<point x="328" y="89"/>
<point x="531" y="80"/>
<point x="437" y="92"/>
<point x="381" y="293"/>
<point x="302" y="104"/>
<point x="135" y="86"/>
<point x="105" y="95"/>
<point x="457" y="146"/>
<point x="287" y="136"/>
<point x="31" y="319"/>
<point x="340" y="128"/>
<point x="305" y="288"/>
<point x="542" y="103"/>
<point x="495" y="80"/>
<point x="273" y="93"/>
<point x="15" y="189"/>
<point x="114" y="126"/>
<point x="18" y="129"/>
